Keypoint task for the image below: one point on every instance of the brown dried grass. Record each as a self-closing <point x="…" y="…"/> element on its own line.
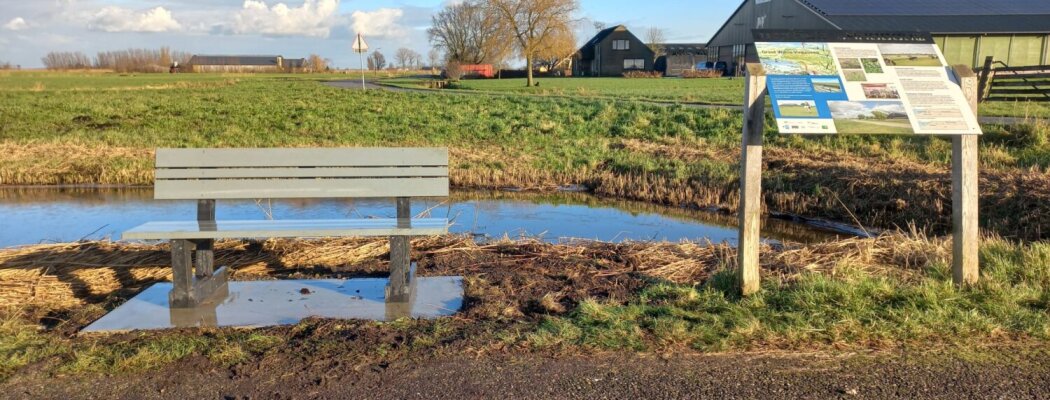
<point x="63" y="276"/>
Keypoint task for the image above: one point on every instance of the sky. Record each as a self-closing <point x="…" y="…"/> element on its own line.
<point x="29" y="29"/>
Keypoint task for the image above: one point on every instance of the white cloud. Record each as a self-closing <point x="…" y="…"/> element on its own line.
<point x="314" y="18"/>
<point x="117" y="19"/>
<point x="381" y="23"/>
<point x="16" y="24"/>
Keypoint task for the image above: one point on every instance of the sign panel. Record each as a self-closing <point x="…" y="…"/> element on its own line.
<point x="359" y="44"/>
<point x="862" y="83"/>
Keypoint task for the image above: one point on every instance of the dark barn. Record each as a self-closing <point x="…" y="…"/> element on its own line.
<point x="1014" y="32"/>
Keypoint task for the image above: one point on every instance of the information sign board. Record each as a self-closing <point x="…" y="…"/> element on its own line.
<point x="861" y="83"/>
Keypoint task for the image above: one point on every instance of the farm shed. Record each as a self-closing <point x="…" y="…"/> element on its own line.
<point x="1015" y="32"/>
<point x="612" y="52"/>
<point x="222" y="63"/>
<point x="679" y="57"/>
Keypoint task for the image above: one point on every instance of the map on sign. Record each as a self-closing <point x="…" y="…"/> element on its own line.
<point x="863" y="88"/>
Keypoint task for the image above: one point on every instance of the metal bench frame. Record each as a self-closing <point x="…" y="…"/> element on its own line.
<point x="210" y="174"/>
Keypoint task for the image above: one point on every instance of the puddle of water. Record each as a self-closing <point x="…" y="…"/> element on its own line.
<point x="41" y="215"/>
<point x="285" y="302"/>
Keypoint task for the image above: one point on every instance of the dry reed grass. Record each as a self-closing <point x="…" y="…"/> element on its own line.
<point x="63" y="276"/>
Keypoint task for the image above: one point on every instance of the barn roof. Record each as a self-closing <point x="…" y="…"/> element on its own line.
<point x="234" y="60"/>
<point x="936" y="16"/>
<point x="684" y="48"/>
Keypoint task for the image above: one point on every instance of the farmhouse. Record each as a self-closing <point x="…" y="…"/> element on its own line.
<point x="231" y="63"/>
<point x="612" y="52"/>
<point x="1015" y="32"/>
<point x="679" y="57"/>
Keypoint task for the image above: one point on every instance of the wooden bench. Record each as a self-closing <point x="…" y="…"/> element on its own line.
<point x="207" y="175"/>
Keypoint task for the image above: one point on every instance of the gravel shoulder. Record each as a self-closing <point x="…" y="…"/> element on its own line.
<point x="1013" y="375"/>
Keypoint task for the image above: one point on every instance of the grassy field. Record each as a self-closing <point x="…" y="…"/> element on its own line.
<point x="701" y="91"/>
<point x="706" y="91"/>
<point x="798" y="111"/>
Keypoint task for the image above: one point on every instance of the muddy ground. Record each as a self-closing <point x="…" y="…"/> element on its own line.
<point x="600" y="376"/>
<point x="509" y="287"/>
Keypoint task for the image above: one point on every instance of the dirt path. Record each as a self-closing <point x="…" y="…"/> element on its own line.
<point x="609" y="376"/>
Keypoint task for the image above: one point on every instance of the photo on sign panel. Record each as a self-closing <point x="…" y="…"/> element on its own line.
<point x="871" y="65"/>
<point x="854" y="75"/>
<point x="827" y="85"/>
<point x="880" y="91"/>
<point x="798" y="108"/>
<point x="910" y="55"/>
<point x="850" y="63"/>
<point x="797" y="59"/>
<point x="870" y="117"/>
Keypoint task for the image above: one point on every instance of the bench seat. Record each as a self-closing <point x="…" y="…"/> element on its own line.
<point x="259" y="229"/>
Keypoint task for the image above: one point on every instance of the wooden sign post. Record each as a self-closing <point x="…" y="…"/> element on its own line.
<point x="965" y="193"/>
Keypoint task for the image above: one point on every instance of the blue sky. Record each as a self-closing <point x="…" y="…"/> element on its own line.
<point x="294" y="28"/>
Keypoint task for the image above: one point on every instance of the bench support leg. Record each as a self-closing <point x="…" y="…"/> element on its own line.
<point x="205" y="266"/>
<point x="402" y="272"/>
<point x="190" y="289"/>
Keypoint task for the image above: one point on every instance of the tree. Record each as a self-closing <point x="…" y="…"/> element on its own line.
<point x="469" y="32"/>
<point x="655" y="38"/>
<point x="534" y="24"/>
<point x="434" y="57"/>
<point x="66" y="60"/>
<point x="376" y="61"/>
<point x="407" y="58"/>
<point x="316" y="63"/>
<point x="552" y="53"/>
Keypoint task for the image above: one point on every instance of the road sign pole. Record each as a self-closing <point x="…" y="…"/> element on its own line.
<point x="362" y="55"/>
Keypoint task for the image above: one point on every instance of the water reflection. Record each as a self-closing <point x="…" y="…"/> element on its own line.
<point x="286" y="302"/>
<point x="34" y="215"/>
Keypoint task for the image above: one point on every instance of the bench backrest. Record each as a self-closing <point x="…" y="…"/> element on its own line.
<point x="212" y="174"/>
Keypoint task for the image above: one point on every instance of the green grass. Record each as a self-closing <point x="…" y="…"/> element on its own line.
<point x="707" y="91"/>
<point x="849" y="309"/>
<point x="798" y="111"/>
<point x="701" y="91"/>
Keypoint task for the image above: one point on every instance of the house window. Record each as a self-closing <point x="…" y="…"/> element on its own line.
<point x="621" y="44"/>
<point x="637" y="63"/>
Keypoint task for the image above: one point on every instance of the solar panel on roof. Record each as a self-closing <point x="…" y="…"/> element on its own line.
<point x="931" y="7"/>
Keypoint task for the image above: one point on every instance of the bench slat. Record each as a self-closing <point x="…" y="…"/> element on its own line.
<point x="327" y="157"/>
<point x="350" y="172"/>
<point x="219" y="189"/>
<point x="190" y="230"/>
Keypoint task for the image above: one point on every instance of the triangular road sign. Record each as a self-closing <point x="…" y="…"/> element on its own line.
<point x="359" y="44"/>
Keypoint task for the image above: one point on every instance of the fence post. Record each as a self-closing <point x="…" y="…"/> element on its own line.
<point x="986" y="76"/>
<point x="966" y="240"/>
<point x="750" y="208"/>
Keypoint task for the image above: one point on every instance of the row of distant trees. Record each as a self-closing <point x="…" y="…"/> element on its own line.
<point x="495" y="31"/>
<point x="142" y="60"/>
<point x="404" y="58"/>
<point x="130" y="60"/>
<point x="6" y="65"/>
